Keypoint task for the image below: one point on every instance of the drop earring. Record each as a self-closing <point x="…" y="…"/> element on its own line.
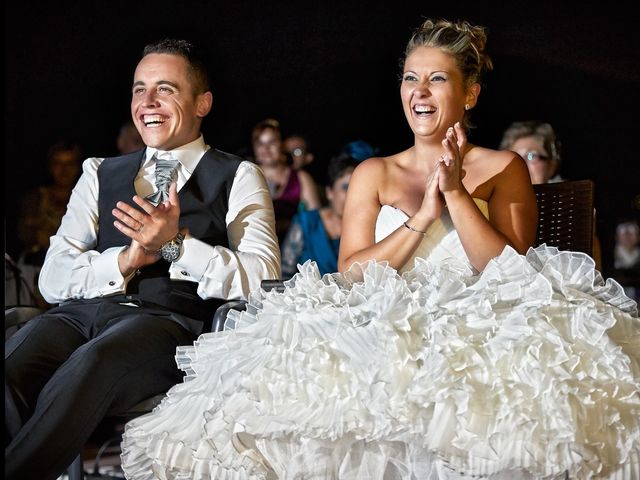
<point x="467" y="106"/>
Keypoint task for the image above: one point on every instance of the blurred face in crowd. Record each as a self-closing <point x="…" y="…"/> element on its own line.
<point x="165" y="107"/>
<point x="64" y="166"/>
<point x="129" y="140"/>
<point x="267" y="148"/>
<point x="627" y="235"/>
<point x="297" y="148"/>
<point x="337" y="193"/>
<point x="541" y="166"/>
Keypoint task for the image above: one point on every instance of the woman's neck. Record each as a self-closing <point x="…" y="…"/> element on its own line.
<point x="275" y="170"/>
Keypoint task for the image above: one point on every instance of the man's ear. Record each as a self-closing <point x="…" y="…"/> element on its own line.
<point x="204" y="102"/>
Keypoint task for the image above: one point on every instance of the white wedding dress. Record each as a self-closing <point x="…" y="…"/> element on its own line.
<point x="528" y="370"/>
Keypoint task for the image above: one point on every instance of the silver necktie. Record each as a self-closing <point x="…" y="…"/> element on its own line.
<point x="166" y="172"/>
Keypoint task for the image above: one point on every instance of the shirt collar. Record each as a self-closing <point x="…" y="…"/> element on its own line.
<point x="188" y="155"/>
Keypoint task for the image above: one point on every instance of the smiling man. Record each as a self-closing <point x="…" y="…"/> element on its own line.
<point x="152" y="242"/>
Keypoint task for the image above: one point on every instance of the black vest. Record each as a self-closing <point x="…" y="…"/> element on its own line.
<point x="204" y="202"/>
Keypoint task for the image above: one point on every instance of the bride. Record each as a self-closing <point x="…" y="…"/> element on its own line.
<point x="446" y="348"/>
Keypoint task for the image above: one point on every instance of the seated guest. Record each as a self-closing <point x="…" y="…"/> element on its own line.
<point x="538" y="144"/>
<point x="360" y="150"/>
<point x="315" y="234"/>
<point x="297" y="147"/>
<point x="289" y="187"/>
<point x="42" y="210"/>
<point x="128" y="139"/>
<point x="626" y="257"/>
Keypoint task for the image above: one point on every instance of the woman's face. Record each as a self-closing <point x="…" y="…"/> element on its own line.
<point x="541" y="166"/>
<point x="267" y="148"/>
<point x="627" y="236"/>
<point x="337" y="193"/>
<point x="432" y="92"/>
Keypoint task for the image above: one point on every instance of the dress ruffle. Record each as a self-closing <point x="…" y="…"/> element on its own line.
<point x="528" y="370"/>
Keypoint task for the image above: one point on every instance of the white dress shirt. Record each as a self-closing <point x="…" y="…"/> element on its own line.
<point x="73" y="269"/>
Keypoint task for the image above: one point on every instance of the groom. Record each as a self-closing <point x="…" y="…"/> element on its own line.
<point x="152" y="242"/>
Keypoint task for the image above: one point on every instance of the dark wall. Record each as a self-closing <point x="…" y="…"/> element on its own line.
<point x="329" y="69"/>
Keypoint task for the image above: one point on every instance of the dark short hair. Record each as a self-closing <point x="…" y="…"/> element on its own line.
<point x="338" y="166"/>
<point x="64" y="146"/>
<point x="197" y="68"/>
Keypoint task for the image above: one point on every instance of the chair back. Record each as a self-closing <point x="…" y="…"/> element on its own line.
<point x="565" y="215"/>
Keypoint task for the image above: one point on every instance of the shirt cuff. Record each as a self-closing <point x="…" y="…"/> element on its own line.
<point x="107" y="273"/>
<point x="189" y="265"/>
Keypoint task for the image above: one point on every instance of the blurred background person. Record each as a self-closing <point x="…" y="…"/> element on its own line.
<point x="297" y="147"/>
<point x="360" y="150"/>
<point x="128" y="139"/>
<point x="291" y="190"/>
<point x="42" y="210"/>
<point x="315" y="234"/>
<point x="539" y="145"/>
<point x="626" y="257"/>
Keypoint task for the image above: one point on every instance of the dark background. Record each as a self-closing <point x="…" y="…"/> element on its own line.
<point x="330" y="70"/>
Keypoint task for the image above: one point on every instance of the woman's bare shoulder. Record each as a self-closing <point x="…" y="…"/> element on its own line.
<point x="484" y="154"/>
<point x="369" y="170"/>
<point x="379" y="165"/>
<point x="493" y="161"/>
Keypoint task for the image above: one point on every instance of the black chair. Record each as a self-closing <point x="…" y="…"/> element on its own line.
<point x="565" y="215"/>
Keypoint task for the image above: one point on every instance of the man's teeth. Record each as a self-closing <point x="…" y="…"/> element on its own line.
<point x="153" y="120"/>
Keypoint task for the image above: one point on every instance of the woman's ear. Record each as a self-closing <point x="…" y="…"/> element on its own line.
<point x="472" y="95"/>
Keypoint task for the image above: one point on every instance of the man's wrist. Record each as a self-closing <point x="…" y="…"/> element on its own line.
<point x="171" y="250"/>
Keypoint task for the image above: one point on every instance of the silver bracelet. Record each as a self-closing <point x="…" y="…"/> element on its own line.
<point x="414" y="230"/>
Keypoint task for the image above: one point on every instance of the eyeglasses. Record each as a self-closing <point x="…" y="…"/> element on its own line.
<point x="532" y="155"/>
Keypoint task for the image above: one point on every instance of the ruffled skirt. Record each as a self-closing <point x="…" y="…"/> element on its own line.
<point x="528" y="370"/>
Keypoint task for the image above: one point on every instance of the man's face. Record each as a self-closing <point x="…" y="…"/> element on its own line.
<point x="164" y="106"/>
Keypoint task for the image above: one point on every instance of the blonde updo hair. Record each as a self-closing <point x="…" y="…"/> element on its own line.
<point x="464" y="42"/>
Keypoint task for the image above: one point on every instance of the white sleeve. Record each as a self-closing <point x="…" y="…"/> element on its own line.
<point x="72" y="268"/>
<point x="253" y="254"/>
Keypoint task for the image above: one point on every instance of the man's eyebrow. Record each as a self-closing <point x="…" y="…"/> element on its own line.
<point x="161" y="82"/>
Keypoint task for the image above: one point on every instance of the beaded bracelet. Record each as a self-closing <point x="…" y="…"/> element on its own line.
<point x="414" y="230"/>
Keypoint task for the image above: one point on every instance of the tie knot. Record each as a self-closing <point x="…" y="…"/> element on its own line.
<point x="166" y="172"/>
<point x="163" y="154"/>
<point x="166" y="165"/>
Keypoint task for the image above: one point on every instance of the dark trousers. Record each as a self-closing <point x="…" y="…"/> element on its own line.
<point x="70" y="367"/>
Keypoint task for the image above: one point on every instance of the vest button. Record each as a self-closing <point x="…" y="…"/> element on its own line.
<point x="184" y="273"/>
<point x="112" y="283"/>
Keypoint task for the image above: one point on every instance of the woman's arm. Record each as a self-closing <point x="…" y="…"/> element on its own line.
<point x="512" y="213"/>
<point x="357" y="243"/>
<point x="308" y="191"/>
<point x="512" y="203"/>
